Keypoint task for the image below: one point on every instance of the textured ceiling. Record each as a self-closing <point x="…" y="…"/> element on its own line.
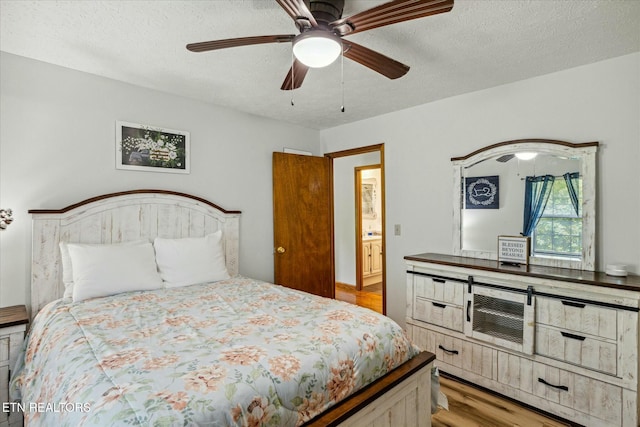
<point x="479" y="44"/>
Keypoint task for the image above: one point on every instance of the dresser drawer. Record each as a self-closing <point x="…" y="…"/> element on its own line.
<point x="445" y="315"/>
<point x="582" y="350"/>
<point x="568" y="389"/>
<point x="439" y="289"/>
<point x="465" y="355"/>
<point x="4" y="349"/>
<point x="587" y="395"/>
<point x="577" y="317"/>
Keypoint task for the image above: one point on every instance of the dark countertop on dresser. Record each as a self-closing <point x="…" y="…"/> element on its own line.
<point x="14" y="315"/>
<point x="597" y="278"/>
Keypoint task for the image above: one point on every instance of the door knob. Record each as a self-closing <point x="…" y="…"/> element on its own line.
<point x="281" y="250"/>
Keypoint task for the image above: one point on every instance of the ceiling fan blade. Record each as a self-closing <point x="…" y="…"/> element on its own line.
<point x="391" y="13"/>
<point x="240" y="41"/>
<point x="505" y="158"/>
<point x="376" y="61"/>
<point x="297" y="9"/>
<point x="295" y="77"/>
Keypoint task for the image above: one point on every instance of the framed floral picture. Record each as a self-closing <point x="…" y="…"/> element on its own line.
<point x="152" y="149"/>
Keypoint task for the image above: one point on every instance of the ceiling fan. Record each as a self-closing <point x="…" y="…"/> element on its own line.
<point x="322" y="27"/>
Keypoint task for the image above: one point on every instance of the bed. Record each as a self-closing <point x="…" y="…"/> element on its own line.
<point x="227" y="350"/>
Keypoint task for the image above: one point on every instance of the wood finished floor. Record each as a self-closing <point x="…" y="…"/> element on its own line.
<point x="468" y="406"/>
<point x="372" y="300"/>
<point x="472" y="407"/>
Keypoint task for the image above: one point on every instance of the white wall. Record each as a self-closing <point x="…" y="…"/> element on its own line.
<point x="57" y="139"/>
<point x="596" y="102"/>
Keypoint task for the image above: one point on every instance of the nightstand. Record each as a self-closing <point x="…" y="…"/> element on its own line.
<point x="13" y="325"/>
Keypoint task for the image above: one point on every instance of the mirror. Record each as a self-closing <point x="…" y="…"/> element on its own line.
<point x="369" y="198"/>
<point x="489" y="200"/>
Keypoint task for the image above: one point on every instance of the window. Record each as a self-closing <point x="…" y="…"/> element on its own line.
<point x="559" y="231"/>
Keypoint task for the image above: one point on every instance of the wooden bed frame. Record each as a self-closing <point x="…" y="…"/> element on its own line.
<point x="400" y="398"/>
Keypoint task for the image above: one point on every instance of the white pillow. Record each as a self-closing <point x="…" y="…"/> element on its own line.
<point x="191" y="260"/>
<point x="101" y="270"/>
<point x="67" y="269"/>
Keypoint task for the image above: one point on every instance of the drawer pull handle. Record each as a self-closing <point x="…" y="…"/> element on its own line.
<point x="573" y="304"/>
<point x="575" y="337"/>
<point x="438" y="280"/>
<point x="437" y="304"/>
<point x="448" y="351"/>
<point x="560" y="387"/>
<point x="469" y="311"/>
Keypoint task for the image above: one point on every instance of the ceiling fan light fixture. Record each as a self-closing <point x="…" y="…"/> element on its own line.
<point x="317" y="49"/>
<point x="526" y="155"/>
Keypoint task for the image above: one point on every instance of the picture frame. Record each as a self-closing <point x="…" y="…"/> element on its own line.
<point x="482" y="192"/>
<point x="368" y="194"/>
<point x="151" y="148"/>
<point x="514" y="250"/>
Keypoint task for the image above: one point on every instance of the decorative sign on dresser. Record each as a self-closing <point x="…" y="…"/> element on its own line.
<point x="513" y="249"/>
<point x="562" y="340"/>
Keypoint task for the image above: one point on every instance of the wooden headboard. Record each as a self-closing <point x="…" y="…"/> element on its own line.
<point x="122" y="217"/>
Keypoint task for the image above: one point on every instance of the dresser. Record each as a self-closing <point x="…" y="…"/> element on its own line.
<point x="13" y="325"/>
<point x="564" y="341"/>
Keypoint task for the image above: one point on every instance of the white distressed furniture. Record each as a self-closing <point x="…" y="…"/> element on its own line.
<point x="582" y="364"/>
<point x="401" y="397"/>
<point x="13" y="325"/>
<point x="371" y="261"/>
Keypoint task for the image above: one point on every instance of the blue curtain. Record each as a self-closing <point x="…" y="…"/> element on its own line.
<point x="571" y="179"/>
<point x="536" y="194"/>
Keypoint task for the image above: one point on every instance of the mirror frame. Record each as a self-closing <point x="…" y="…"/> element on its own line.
<point x="586" y="151"/>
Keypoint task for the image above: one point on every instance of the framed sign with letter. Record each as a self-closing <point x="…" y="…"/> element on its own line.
<point x="482" y="192"/>
<point x="513" y="249"/>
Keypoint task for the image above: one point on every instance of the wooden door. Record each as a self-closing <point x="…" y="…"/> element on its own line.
<point x="303" y="223"/>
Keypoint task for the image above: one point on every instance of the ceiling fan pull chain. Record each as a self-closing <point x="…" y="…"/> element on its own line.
<point x="342" y="75"/>
<point x="292" y="75"/>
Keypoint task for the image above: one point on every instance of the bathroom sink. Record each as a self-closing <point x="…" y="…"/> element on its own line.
<point x="371" y="237"/>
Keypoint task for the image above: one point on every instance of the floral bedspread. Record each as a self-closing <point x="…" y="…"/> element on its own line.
<point x="235" y="352"/>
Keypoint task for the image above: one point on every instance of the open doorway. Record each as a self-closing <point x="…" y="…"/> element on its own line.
<point x="369" y="230"/>
<point x="359" y="240"/>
